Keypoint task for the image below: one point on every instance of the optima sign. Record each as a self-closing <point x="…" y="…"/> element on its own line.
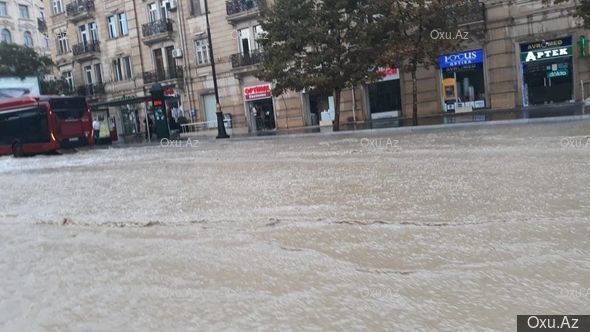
<point x="544" y="50"/>
<point x="257" y="92"/>
<point x="460" y="59"/>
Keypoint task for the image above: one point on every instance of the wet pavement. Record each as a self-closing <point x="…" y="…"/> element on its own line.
<point x="442" y="229"/>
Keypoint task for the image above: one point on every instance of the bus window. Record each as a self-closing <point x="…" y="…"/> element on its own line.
<point x="34" y="127"/>
<point x="9" y="127"/>
<point x="26" y="126"/>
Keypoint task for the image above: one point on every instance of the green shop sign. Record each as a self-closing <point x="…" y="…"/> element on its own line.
<point x="546" y="54"/>
<point x="557" y="73"/>
<point x="546" y="49"/>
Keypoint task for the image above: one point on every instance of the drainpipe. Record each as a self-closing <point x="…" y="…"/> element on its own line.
<point x="182" y="31"/>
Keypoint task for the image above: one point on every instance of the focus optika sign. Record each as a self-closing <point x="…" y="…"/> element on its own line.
<point x="460" y="59"/>
<point x="545" y="50"/>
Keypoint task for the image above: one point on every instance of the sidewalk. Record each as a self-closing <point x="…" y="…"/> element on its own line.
<point x="314" y="131"/>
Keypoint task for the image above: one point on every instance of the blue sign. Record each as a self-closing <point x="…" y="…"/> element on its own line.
<point x="460" y="59"/>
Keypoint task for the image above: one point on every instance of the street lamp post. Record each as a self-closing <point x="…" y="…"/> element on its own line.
<point x="221" y="133"/>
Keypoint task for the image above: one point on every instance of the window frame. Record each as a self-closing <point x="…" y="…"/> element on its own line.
<point x="112" y="24"/>
<point x="69" y="78"/>
<point x="202" y="51"/>
<point x="5" y="5"/>
<point x="57" y="11"/>
<point x="28" y="39"/>
<point x="121" y="21"/>
<point x="63" y="43"/>
<point x="6" y="32"/>
<point x="26" y="10"/>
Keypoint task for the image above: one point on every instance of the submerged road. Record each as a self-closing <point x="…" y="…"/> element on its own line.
<point x="443" y="229"/>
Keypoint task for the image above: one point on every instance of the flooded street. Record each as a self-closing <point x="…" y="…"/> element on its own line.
<point x="439" y="229"/>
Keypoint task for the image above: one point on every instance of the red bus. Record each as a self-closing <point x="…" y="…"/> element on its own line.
<point x="33" y="125"/>
<point x="27" y="126"/>
<point x="73" y="120"/>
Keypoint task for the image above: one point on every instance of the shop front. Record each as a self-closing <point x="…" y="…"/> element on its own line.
<point x="320" y="108"/>
<point x="259" y="107"/>
<point x="384" y="97"/>
<point x="463" y="81"/>
<point x="547" y="71"/>
<point x="108" y="127"/>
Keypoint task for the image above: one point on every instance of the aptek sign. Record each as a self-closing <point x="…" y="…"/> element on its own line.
<point x="545" y="50"/>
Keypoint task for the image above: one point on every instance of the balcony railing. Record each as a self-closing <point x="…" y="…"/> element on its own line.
<point x="91" y="90"/>
<point x="41" y="24"/>
<point x="80" y="7"/>
<point x="247" y="59"/>
<point x="162" y="75"/>
<point x="237" y="6"/>
<point x="86" y="48"/>
<point x="157" y="27"/>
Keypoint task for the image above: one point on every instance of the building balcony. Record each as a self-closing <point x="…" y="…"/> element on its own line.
<point x="91" y="91"/>
<point x="247" y="62"/>
<point x="174" y="73"/>
<point x="239" y="10"/>
<point x="86" y="51"/>
<point x="157" y="31"/>
<point x="474" y="13"/>
<point x="41" y="25"/>
<point x="80" y="10"/>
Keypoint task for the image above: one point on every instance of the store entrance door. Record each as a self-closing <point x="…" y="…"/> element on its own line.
<point x="262" y="114"/>
<point x="549" y="82"/>
<point x="385" y="99"/>
<point x="321" y="108"/>
<point x="210" y="104"/>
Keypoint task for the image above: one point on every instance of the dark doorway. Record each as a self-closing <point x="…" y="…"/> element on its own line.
<point x="549" y="81"/>
<point x="265" y="114"/>
<point x="159" y="62"/>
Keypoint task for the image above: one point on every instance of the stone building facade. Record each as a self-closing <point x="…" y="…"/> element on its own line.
<point x="511" y="31"/>
<point x="23" y="22"/>
<point x="113" y="51"/>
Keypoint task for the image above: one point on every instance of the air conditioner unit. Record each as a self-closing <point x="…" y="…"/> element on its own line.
<point x="177" y="53"/>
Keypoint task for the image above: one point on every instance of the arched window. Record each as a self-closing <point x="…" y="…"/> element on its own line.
<point x="6" y="36"/>
<point x="28" y="39"/>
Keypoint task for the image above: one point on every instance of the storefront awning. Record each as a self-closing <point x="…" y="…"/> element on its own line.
<point x="125" y="101"/>
<point x="120" y="102"/>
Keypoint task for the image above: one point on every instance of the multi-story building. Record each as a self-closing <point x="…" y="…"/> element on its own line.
<point x="113" y="51"/>
<point x="528" y="53"/>
<point x="23" y="22"/>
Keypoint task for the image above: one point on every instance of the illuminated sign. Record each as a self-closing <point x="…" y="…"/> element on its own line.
<point x="257" y="92"/>
<point x="389" y="74"/>
<point x="544" y="50"/>
<point x="460" y="59"/>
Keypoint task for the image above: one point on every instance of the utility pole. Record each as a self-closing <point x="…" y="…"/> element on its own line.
<point x="221" y="133"/>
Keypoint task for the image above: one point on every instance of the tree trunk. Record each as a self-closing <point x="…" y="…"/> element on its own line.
<point x="336" y="125"/>
<point x="414" y="97"/>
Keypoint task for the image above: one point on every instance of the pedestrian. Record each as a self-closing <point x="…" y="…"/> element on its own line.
<point x="254" y="118"/>
<point x="96" y="128"/>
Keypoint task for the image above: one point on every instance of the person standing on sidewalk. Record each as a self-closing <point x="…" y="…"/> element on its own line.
<point x="254" y="119"/>
<point x="96" y="128"/>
